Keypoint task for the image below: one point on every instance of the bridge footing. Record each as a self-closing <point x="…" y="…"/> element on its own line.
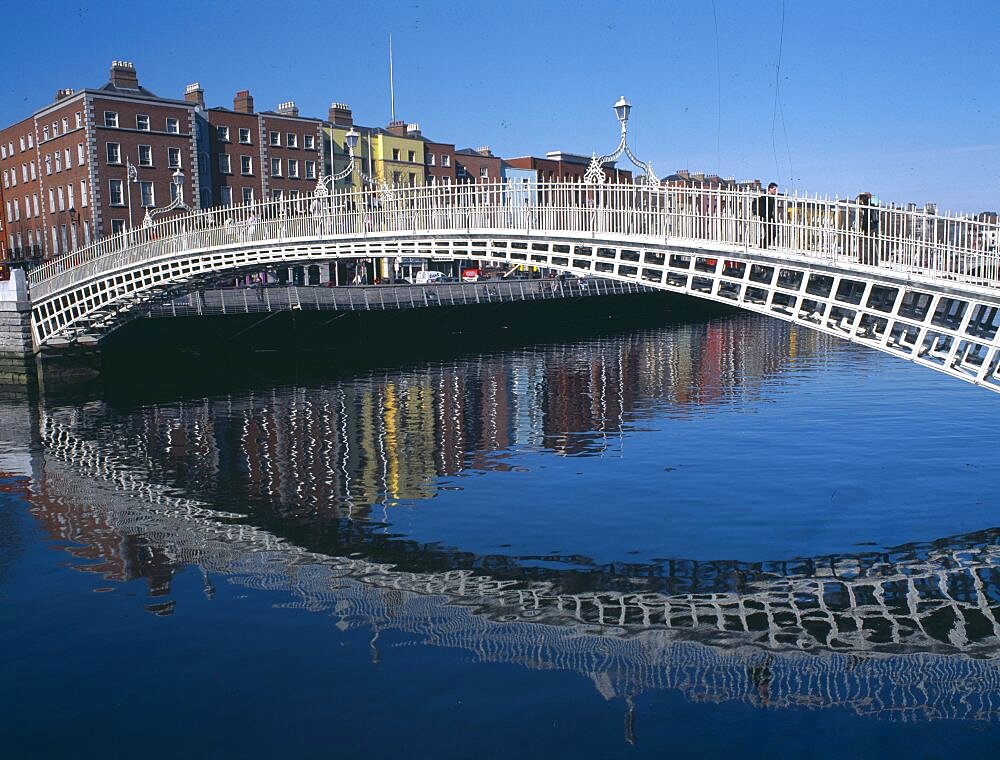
<point x="17" y="365"/>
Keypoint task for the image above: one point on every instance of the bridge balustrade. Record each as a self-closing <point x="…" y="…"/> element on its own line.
<point x="951" y="248"/>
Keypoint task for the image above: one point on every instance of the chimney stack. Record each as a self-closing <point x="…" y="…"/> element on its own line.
<point x="413" y="130"/>
<point x="288" y="108"/>
<point x="62" y="94"/>
<point x="340" y="114"/>
<point x="485" y="151"/>
<point x="194" y="94"/>
<point x="123" y="75"/>
<point x="243" y="102"/>
<point x="397" y="127"/>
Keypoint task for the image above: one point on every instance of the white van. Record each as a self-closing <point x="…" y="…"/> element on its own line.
<point x="428" y="276"/>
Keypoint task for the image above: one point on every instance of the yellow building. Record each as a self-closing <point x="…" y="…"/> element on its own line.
<point x="394" y="156"/>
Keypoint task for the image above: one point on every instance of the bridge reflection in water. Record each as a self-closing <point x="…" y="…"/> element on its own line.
<point x="909" y="633"/>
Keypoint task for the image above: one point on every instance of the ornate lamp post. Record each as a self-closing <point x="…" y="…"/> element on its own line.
<point x="595" y="172"/>
<point x="177" y="181"/>
<point x="351" y="138"/>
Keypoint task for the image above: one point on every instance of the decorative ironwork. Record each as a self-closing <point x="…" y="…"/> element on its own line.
<point x="177" y="182"/>
<point x="595" y="172"/>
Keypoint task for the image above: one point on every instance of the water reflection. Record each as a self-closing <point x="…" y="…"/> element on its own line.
<point x="272" y="490"/>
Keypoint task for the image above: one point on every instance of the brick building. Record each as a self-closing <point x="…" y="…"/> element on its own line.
<point x="558" y="166"/>
<point x="65" y="168"/>
<point x="479" y="165"/>
<point x="262" y="156"/>
<point x="440" y="165"/>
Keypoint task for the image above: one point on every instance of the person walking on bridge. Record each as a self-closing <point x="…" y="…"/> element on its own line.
<point x="765" y="207"/>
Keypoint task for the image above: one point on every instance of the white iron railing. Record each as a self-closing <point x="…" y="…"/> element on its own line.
<point x="944" y="247"/>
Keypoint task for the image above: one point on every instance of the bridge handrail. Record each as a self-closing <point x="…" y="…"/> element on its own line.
<point x="941" y="246"/>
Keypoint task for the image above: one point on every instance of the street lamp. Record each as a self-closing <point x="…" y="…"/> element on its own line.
<point x="177" y="183"/>
<point x="595" y="172"/>
<point x="351" y="138"/>
<point x="133" y="174"/>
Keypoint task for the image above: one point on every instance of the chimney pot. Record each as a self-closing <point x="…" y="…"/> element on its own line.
<point x="243" y="102"/>
<point x="123" y="75"/>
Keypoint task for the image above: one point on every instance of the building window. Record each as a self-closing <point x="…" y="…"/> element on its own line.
<point x="55" y="130"/>
<point x="17" y="210"/>
<point x="174" y="158"/>
<point x="275" y="138"/>
<point x="275" y="167"/>
<point x="309" y="142"/>
<point x="24" y="170"/>
<point x="117" y="226"/>
<point x="225" y="165"/>
<point x="395" y="154"/>
<point x="291" y="140"/>
<point x="31" y="166"/>
<point x="83" y="193"/>
<point x="226" y="196"/>
<point x="430" y="159"/>
<point x="31" y="141"/>
<point x="116" y="196"/>
<point x="245" y="135"/>
<point x="145" y="155"/>
<point x="79" y="154"/>
<point x="111" y="118"/>
<point x="310" y="170"/>
<point x="6" y="182"/>
<point x="62" y="199"/>
<point x="411" y="156"/>
<point x="114" y="153"/>
<point x="248" y="195"/>
<point x="45" y="134"/>
<point x="58" y="163"/>
<point x="79" y="120"/>
<point x="395" y="178"/>
<point x="142" y="122"/>
<point x="445" y="160"/>
<point x="277" y="194"/>
<point x="293" y="168"/>
<point x="246" y="165"/>
<point x="67" y="161"/>
<point x="69" y="197"/>
<point x="3" y="151"/>
<point x="34" y="202"/>
<point x="173" y="126"/>
<point x="146" y="194"/>
<point x="222" y="133"/>
<point x="483" y="172"/>
<point x="65" y="125"/>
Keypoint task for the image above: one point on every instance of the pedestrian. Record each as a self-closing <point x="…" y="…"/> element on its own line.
<point x="868" y="229"/>
<point x="765" y="208"/>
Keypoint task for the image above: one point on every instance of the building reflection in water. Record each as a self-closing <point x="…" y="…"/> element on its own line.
<point x="910" y="633"/>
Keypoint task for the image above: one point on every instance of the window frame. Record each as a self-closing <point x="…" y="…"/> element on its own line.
<point x="116" y="185"/>
<point x="111" y="119"/>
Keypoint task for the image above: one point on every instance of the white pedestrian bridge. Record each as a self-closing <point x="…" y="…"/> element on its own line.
<point x="920" y="286"/>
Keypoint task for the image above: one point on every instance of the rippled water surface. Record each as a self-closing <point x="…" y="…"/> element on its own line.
<point x="728" y="537"/>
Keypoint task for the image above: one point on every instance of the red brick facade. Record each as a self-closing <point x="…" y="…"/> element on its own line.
<point x="65" y="170"/>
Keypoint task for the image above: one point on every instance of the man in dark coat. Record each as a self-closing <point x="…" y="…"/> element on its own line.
<point x="766" y="209"/>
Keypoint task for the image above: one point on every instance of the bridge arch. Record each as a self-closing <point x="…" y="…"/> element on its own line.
<point x="933" y="299"/>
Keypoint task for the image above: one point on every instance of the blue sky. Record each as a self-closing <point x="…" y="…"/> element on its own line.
<point x="899" y="98"/>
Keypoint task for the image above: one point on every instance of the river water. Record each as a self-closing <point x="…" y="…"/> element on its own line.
<point x="719" y="537"/>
